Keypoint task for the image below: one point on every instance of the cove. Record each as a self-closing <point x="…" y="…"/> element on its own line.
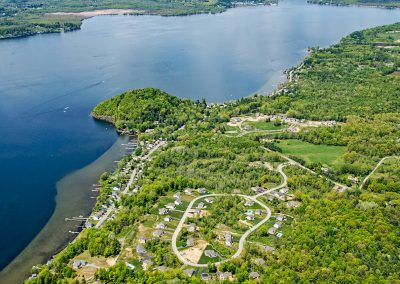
<point x="50" y="83"/>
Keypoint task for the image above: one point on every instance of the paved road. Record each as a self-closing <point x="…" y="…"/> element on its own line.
<point x="241" y="241"/>
<point x="376" y="167"/>
<point x="283" y="184"/>
<point x="135" y="170"/>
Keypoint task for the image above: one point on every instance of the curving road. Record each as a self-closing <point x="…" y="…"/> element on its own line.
<point x="376" y="167"/>
<point x="241" y="241"/>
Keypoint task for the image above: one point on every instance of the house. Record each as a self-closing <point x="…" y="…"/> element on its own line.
<point x="178" y="201"/>
<point x="268" y="248"/>
<point x="197" y="211"/>
<point x="205" y="277"/>
<point x="271" y="198"/>
<point x="163" y="211"/>
<point x="325" y="170"/>
<point x="200" y="205"/>
<point x="191" y="228"/>
<point x="202" y="190"/>
<point x="292" y="204"/>
<point x="140" y="249"/>
<point x="158" y="233"/>
<point x="168" y="218"/>
<point x="190" y="242"/>
<point x="353" y="179"/>
<point x="250" y="217"/>
<point x="284" y="190"/>
<point x="142" y="240"/>
<point x="78" y="264"/>
<point x="150" y="130"/>
<point x="170" y="206"/>
<point x="224" y="275"/>
<point x="257" y="189"/>
<point x="272" y="231"/>
<point x="146" y="264"/>
<point x="189" y="272"/>
<point x="161" y="225"/>
<point x="209" y="200"/>
<point x="116" y="188"/>
<point x="249" y="212"/>
<point x="258" y="212"/>
<point x="259" y="261"/>
<point x="278" y="225"/>
<point x="228" y="239"/>
<point x="177" y="195"/>
<point x="97" y="216"/>
<point x="249" y="202"/>
<point x="280" y="217"/>
<point x="188" y="191"/>
<point x="254" y="275"/>
<point x="279" y="235"/>
<point x="210" y="253"/>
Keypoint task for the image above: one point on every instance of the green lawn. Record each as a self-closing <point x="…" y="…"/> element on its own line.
<point x="328" y="155"/>
<point x="263" y="125"/>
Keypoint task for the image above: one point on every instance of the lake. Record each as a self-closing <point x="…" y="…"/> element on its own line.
<point x="49" y="84"/>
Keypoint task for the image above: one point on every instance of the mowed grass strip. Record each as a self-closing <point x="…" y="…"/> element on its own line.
<point x="331" y="156"/>
<point x="264" y="125"/>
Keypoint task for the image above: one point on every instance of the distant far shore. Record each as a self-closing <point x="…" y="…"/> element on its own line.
<point x="90" y="14"/>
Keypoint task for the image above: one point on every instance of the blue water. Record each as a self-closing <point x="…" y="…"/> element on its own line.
<point x="49" y="84"/>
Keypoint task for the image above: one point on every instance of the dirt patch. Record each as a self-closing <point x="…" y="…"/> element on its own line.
<point x="90" y="14"/>
<point x="194" y="253"/>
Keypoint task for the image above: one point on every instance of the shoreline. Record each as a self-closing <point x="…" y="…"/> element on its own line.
<point x="103" y="12"/>
<point x="73" y="198"/>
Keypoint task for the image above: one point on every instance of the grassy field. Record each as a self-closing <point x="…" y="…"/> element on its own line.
<point x="263" y="125"/>
<point x="331" y="156"/>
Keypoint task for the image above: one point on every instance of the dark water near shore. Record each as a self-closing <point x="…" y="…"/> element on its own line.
<point x="49" y="84"/>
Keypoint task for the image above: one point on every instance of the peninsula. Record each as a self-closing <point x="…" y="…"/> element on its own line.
<point x="300" y="186"/>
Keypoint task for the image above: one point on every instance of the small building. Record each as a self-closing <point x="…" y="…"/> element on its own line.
<point x="168" y="218"/>
<point x="279" y="235"/>
<point x="189" y="272"/>
<point x="271" y="198"/>
<point x="142" y="240"/>
<point x="200" y="205"/>
<point x="191" y="228"/>
<point x="178" y="202"/>
<point x="116" y="188"/>
<point x="228" y="239"/>
<point x="209" y="199"/>
<point x="161" y="225"/>
<point x="272" y="231"/>
<point x="250" y="217"/>
<point x="205" y="277"/>
<point x="259" y="261"/>
<point x="147" y="263"/>
<point x="202" y="190"/>
<point x="353" y="180"/>
<point x="258" y="212"/>
<point x="189" y="191"/>
<point x="254" y="275"/>
<point x="170" y="206"/>
<point x="78" y="264"/>
<point x="284" y="190"/>
<point x="292" y="204"/>
<point x="224" y="275"/>
<point x="268" y="248"/>
<point x="249" y="202"/>
<point x="158" y="233"/>
<point x="278" y="225"/>
<point x="189" y="242"/>
<point x="280" y="217"/>
<point x="177" y="195"/>
<point x="210" y="253"/>
<point x="163" y="211"/>
<point x="197" y="212"/>
<point x="257" y="189"/>
<point x="249" y="212"/>
<point x="140" y="249"/>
